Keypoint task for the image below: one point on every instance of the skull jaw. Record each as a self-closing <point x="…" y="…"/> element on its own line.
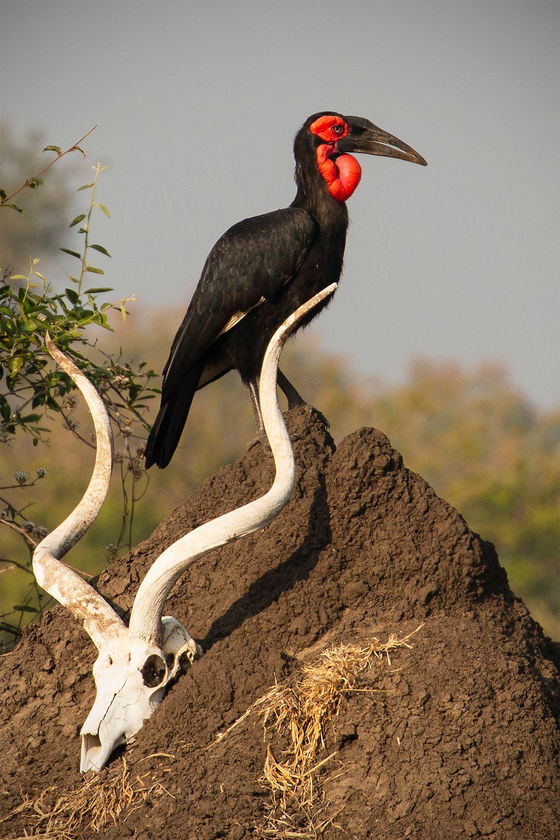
<point x="94" y="754"/>
<point x="115" y="718"/>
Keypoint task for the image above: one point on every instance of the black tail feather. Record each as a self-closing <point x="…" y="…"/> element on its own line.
<point x="168" y="427"/>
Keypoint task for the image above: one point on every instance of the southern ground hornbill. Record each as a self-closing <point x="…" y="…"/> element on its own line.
<point x="263" y="268"/>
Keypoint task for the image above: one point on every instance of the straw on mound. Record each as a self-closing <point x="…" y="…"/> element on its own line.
<point x="96" y="803"/>
<point x="300" y="709"/>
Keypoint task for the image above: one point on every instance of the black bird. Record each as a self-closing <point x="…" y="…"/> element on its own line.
<point x="264" y="267"/>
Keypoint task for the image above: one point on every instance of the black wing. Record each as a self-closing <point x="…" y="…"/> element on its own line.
<point x="251" y="261"/>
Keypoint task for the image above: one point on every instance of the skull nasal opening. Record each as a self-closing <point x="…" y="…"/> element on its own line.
<point x="153" y="671"/>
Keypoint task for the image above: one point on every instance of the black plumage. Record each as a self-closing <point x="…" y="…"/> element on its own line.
<point x="263" y="268"/>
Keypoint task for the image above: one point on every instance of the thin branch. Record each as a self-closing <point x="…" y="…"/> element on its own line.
<point x="17" y="486"/>
<point x="73" y="148"/>
<point x="16" y="565"/>
<point x="21" y="531"/>
<point x="125" y="512"/>
<point x="34" y="544"/>
<point x="130" y="408"/>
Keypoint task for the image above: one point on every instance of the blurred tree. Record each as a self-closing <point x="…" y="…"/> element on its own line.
<point x="42" y="231"/>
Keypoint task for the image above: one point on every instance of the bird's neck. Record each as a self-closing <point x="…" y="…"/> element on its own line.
<point x="312" y="195"/>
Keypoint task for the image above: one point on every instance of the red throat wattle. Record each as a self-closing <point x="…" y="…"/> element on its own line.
<point x="341" y="173"/>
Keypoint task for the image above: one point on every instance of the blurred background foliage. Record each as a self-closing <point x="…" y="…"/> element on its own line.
<point x="43" y="226"/>
<point x="470" y="433"/>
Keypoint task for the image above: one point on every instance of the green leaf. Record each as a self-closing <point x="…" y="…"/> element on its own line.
<point x="18" y="277"/>
<point x="101" y="249"/>
<point x="72" y="295"/>
<point x="14" y="207"/>
<point x="24" y="608"/>
<point x="32" y="324"/>
<point x="104" y="210"/>
<point x="72" y="253"/>
<point x="56" y="149"/>
<point x="85" y="187"/>
<point x="16" y="365"/>
<point x="94" y="270"/>
<point x="10" y="628"/>
<point x="97" y="290"/>
<point x="34" y="183"/>
<point x="3" y="195"/>
<point x="77" y="220"/>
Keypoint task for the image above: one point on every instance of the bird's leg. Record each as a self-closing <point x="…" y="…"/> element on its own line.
<point x="294" y="398"/>
<point x="253" y="386"/>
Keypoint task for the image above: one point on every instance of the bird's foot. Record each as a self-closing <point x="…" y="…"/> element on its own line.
<point x="295" y="400"/>
<point x="260" y="439"/>
<point x="320" y="415"/>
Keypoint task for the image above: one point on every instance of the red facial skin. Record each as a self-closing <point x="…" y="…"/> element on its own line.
<point x="341" y="174"/>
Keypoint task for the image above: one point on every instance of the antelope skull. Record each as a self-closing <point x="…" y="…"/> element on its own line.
<point x="131" y="677"/>
<point x="136" y="664"/>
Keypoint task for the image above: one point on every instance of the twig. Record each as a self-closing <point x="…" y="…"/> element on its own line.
<point x="21" y="531"/>
<point x="75" y="147"/>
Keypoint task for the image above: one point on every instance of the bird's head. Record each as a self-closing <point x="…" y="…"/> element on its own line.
<point x="332" y="137"/>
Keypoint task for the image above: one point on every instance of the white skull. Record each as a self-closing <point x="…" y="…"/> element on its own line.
<point x="131" y="678"/>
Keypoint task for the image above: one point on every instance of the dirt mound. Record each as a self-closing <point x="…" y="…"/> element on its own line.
<point x="444" y="728"/>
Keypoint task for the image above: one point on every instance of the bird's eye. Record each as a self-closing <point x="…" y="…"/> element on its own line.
<point x="338" y="129"/>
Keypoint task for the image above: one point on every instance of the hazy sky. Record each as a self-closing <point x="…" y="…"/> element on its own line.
<point x="197" y="104"/>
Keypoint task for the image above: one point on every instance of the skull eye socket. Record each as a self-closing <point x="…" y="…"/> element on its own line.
<point x="153" y="670"/>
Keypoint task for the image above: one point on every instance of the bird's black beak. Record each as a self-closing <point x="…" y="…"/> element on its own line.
<point x="369" y="139"/>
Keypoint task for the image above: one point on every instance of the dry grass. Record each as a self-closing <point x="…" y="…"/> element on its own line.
<point x="301" y="709"/>
<point x="66" y="815"/>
